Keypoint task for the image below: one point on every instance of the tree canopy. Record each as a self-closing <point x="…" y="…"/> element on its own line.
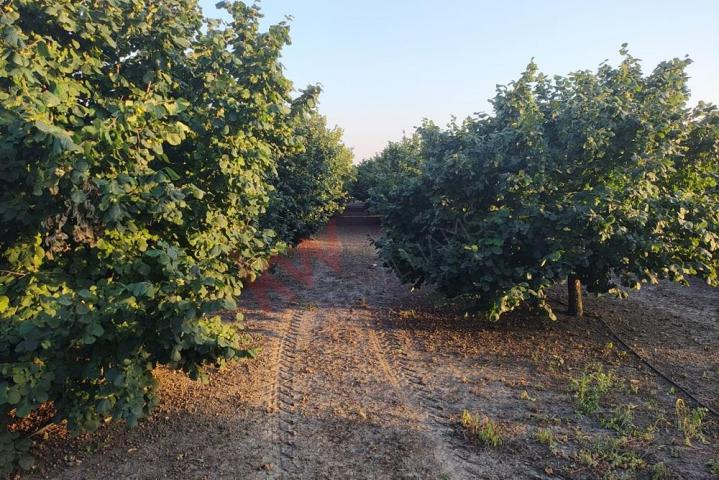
<point x="138" y="146"/>
<point x="607" y="177"/>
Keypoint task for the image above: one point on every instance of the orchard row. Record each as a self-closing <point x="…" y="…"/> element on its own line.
<point x="605" y="179"/>
<point x="151" y="161"/>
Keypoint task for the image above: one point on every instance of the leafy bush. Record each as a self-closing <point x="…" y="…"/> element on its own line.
<point x="311" y="185"/>
<point x="605" y="177"/>
<point x="378" y="176"/>
<point x="136" y="144"/>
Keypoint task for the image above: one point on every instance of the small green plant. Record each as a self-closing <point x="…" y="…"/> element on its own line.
<point x="689" y="421"/>
<point x="556" y="362"/>
<point x="646" y="434"/>
<point x="590" y="388"/>
<point x="659" y="471"/>
<point x="483" y="429"/>
<point x="611" y="454"/>
<point x="621" y="420"/>
<point x="714" y="467"/>
<point x="545" y="436"/>
<point x="587" y="458"/>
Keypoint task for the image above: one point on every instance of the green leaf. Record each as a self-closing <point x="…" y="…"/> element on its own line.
<point x="95" y="329"/>
<point x="23" y="410"/>
<point x="78" y="196"/>
<point x="13" y="396"/>
<point x="4" y="303"/>
<point x="173" y="139"/>
<point x="26" y="462"/>
<point x="49" y="99"/>
<point x="84" y="293"/>
<point x="171" y="173"/>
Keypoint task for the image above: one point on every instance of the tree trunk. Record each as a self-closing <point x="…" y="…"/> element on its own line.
<point x="576" y="306"/>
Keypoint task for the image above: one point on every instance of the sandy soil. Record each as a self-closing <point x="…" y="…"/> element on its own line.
<point x="359" y="378"/>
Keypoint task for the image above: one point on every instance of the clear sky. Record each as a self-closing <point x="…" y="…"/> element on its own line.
<point x="386" y="64"/>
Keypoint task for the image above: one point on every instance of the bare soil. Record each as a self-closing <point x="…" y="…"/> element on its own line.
<point x="359" y="378"/>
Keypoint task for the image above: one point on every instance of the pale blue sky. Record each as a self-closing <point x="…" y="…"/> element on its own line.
<point x="385" y="65"/>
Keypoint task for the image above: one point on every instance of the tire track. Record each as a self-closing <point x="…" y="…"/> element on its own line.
<point x="405" y="377"/>
<point x="287" y="392"/>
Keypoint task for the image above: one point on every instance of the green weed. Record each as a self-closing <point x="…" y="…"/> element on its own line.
<point x="659" y="471"/>
<point x="611" y="454"/>
<point x="714" y="467"/>
<point x="483" y="429"/>
<point x="621" y="419"/>
<point x="590" y="388"/>
<point x="690" y="421"/>
<point x="556" y="362"/>
<point x="545" y="436"/>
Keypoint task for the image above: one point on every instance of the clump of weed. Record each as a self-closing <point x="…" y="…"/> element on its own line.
<point x="524" y="395"/>
<point x="690" y="421"/>
<point x="621" y="419"/>
<point x="610" y="454"/>
<point x="483" y="429"/>
<point x="646" y="434"/>
<point x="556" y="362"/>
<point x="714" y="467"/>
<point x="590" y="387"/>
<point x="545" y="436"/>
<point x="659" y="471"/>
<point x="587" y="458"/>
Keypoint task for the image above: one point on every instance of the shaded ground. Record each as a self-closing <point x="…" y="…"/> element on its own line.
<point x="359" y="378"/>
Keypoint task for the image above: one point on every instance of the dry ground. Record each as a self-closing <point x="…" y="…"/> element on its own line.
<point x="359" y="378"/>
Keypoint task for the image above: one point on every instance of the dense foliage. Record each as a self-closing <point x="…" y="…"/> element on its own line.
<point x="605" y="177"/>
<point x="311" y="185"/>
<point x="377" y="176"/>
<point x="137" y="143"/>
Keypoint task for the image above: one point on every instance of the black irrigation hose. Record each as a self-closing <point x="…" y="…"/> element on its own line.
<point x="654" y="369"/>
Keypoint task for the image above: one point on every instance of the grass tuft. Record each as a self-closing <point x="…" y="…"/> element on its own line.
<point x="483" y="429"/>
<point x="545" y="436"/>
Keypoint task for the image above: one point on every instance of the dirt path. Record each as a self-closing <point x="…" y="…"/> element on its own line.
<point x="359" y="378"/>
<point x="345" y="409"/>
